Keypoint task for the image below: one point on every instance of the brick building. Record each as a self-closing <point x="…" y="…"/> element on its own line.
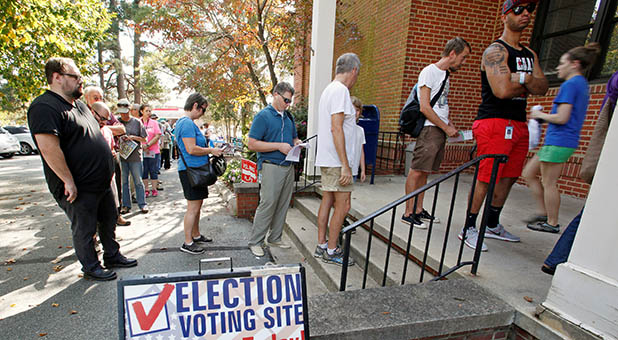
<point x="395" y="39"/>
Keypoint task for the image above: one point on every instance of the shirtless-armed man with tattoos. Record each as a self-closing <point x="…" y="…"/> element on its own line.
<point x="509" y="72"/>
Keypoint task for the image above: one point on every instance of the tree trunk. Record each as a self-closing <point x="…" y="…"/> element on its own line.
<point x="101" y="71"/>
<point x="137" y="54"/>
<point x="117" y="62"/>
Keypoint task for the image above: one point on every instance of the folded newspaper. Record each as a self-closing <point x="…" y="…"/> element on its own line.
<point x="126" y="147"/>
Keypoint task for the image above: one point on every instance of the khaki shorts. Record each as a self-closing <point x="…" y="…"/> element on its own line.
<point x="330" y="180"/>
<point x="429" y="149"/>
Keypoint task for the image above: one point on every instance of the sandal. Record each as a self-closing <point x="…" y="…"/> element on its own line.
<point x="124" y="210"/>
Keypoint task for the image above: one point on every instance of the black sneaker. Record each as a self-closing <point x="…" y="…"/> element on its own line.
<point x="413" y="220"/>
<point x="202" y="240"/>
<point x="426" y="217"/>
<point x="192" y="249"/>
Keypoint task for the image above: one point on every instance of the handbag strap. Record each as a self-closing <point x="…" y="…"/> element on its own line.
<point x="181" y="155"/>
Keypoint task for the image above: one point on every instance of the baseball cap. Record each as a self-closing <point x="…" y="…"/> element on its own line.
<point x="135" y="107"/>
<point x="154" y="116"/>
<point x="123" y="105"/>
<point x="508" y="4"/>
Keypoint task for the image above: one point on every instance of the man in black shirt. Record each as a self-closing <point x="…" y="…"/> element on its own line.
<point x="78" y="167"/>
<point x="509" y="72"/>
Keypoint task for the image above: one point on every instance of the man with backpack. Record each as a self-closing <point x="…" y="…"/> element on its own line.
<point x="431" y="92"/>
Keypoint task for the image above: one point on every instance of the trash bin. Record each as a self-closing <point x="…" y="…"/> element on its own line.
<point x="370" y="122"/>
<point x="409" y="154"/>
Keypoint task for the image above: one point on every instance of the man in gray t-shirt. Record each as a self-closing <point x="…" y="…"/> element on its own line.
<point x="133" y="163"/>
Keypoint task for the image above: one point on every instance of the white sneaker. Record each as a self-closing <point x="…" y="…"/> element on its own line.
<point x="279" y="244"/>
<point x="472" y="236"/>
<point x="257" y="250"/>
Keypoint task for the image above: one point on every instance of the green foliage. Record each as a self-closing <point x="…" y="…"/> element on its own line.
<point x="300" y="113"/>
<point x="246" y="153"/>
<point x="32" y="31"/>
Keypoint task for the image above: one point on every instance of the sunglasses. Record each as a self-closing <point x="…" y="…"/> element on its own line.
<point x="74" y="76"/>
<point x="285" y="100"/>
<point x="101" y="119"/>
<point x="517" y="10"/>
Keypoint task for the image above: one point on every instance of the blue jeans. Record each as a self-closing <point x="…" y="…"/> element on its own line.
<point x="135" y="168"/>
<point x="562" y="249"/>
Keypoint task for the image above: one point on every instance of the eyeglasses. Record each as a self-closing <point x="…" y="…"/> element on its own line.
<point x="285" y="100"/>
<point x="74" y="76"/>
<point x="101" y="119"/>
<point x="517" y="10"/>
<point x="123" y="105"/>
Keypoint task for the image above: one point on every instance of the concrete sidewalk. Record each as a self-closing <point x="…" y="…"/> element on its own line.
<point x="41" y="289"/>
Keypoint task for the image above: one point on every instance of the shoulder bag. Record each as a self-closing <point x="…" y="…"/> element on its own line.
<point x="411" y="119"/>
<point x="201" y="176"/>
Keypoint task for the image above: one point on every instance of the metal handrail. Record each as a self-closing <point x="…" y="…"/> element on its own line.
<point x="347" y="231"/>
<point x="305" y="174"/>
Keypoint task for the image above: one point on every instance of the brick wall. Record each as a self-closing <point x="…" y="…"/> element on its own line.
<point x="396" y="39"/>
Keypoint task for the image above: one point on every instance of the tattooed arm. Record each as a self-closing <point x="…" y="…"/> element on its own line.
<point x="536" y="83"/>
<point x="495" y="65"/>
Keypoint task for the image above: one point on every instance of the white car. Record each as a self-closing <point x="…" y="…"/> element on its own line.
<point x="22" y="134"/>
<point x="9" y="145"/>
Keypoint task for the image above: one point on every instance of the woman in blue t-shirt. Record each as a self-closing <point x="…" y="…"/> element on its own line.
<point x="562" y="137"/>
<point x="192" y="147"/>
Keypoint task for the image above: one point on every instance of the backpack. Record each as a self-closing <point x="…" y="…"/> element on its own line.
<point x="411" y="119"/>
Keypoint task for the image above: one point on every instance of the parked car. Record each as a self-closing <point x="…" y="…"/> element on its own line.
<point x="26" y="143"/>
<point x="9" y="145"/>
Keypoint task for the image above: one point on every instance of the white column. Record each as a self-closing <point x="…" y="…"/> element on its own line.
<point x="320" y="72"/>
<point x="585" y="289"/>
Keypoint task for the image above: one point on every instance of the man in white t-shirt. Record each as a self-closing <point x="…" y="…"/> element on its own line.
<point x="335" y="155"/>
<point x="429" y="150"/>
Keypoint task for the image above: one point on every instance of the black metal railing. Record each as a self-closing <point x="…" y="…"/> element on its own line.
<point x="391" y="151"/>
<point x="347" y="232"/>
<point x="306" y="176"/>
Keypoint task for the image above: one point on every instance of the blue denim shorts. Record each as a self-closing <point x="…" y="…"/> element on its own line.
<point x="150" y="169"/>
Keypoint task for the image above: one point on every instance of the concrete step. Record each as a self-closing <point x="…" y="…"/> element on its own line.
<point x="308" y="206"/>
<point x="303" y="233"/>
<point x="437" y="232"/>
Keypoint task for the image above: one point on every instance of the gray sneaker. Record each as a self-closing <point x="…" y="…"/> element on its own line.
<point x="544" y="226"/>
<point x="319" y="251"/>
<point x="535" y="219"/>
<point x="336" y="258"/>
<point x="499" y="233"/>
<point x="472" y="236"/>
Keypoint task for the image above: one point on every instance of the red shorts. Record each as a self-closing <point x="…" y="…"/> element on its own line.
<point x="489" y="135"/>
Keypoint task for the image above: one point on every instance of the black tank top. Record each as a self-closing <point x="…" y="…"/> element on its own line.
<point x="514" y="108"/>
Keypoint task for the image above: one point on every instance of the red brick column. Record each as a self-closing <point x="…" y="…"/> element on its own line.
<point x="247" y="199"/>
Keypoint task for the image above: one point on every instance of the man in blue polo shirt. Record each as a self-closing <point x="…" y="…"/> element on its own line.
<point x="272" y="136"/>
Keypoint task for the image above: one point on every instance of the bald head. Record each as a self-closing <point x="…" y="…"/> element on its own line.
<point x="93" y="94"/>
<point x="101" y="112"/>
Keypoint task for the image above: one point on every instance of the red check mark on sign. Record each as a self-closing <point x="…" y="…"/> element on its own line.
<point x="147" y="320"/>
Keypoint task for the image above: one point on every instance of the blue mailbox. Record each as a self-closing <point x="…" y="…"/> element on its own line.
<point x="370" y="122"/>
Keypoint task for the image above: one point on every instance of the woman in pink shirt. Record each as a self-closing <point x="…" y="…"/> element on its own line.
<point x="151" y="149"/>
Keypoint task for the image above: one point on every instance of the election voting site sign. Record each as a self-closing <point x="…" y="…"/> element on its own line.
<point x="249" y="173"/>
<point x="256" y="303"/>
